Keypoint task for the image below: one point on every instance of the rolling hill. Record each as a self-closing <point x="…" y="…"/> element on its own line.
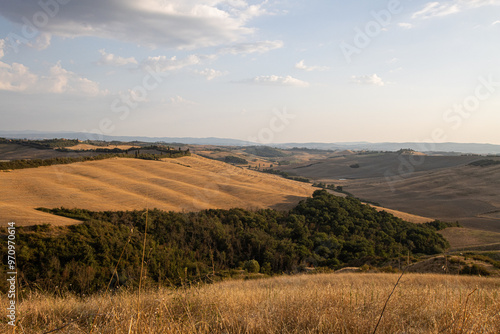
<point x="184" y="184"/>
<point x="441" y="187"/>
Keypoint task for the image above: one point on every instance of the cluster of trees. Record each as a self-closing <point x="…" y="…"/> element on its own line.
<point x="231" y="159"/>
<point x="485" y="163"/>
<point x="330" y="186"/>
<point x="266" y="152"/>
<point x="42" y="144"/>
<point x="286" y="175"/>
<point x="34" y="163"/>
<point x="322" y="231"/>
<point x="163" y="154"/>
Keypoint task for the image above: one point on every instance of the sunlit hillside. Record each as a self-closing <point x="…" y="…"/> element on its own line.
<point x="183" y="184"/>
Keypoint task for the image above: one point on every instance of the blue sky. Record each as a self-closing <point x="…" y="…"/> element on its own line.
<point x="266" y="71"/>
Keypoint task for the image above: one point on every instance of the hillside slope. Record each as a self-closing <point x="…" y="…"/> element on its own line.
<point x="468" y="194"/>
<point x="188" y="183"/>
<point x="440" y="187"/>
<point x="374" y="165"/>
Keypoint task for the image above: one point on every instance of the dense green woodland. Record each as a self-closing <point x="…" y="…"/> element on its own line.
<point x="322" y="231"/>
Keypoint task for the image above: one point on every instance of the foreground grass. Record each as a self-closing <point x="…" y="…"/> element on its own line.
<point x="323" y="303"/>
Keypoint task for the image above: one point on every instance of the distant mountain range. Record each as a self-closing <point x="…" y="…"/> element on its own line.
<point x="465" y="148"/>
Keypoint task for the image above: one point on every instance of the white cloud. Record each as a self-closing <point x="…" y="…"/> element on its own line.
<point x="405" y="25"/>
<point x="275" y="80"/>
<point x="19" y="78"/>
<point x="2" y="45"/>
<point x="113" y="60"/>
<point x="165" y="64"/>
<point x="435" y="9"/>
<point x="210" y="73"/>
<point x="440" y="9"/>
<point x="61" y="81"/>
<point x="495" y="23"/>
<point x="154" y="23"/>
<point x="179" y="100"/>
<point x="41" y="42"/>
<point x="373" y="79"/>
<point x="302" y="66"/>
<point x="16" y="77"/>
<point x="256" y="47"/>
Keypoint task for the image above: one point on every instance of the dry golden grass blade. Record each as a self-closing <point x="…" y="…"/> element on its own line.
<point x="322" y="303"/>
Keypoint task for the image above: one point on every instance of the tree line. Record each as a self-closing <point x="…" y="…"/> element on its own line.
<point x="323" y="231"/>
<point x="34" y="163"/>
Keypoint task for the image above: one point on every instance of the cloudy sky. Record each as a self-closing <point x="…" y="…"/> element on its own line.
<point x="266" y="71"/>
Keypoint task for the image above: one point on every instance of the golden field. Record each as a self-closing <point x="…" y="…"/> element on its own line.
<point x="184" y="184"/>
<point x="321" y="303"/>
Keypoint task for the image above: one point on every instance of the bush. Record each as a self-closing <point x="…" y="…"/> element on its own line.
<point x="252" y="266"/>
<point x="235" y="160"/>
<point x="474" y="270"/>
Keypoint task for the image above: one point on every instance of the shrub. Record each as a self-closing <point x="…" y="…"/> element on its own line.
<point x="252" y="266"/>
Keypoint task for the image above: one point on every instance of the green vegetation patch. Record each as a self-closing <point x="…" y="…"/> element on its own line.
<point x="266" y="152"/>
<point x="137" y="154"/>
<point x="322" y="231"/>
<point x="485" y="163"/>
<point x="230" y="159"/>
<point x="42" y="144"/>
<point x="285" y="175"/>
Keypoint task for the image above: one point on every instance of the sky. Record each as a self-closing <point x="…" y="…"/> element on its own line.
<point x="263" y="71"/>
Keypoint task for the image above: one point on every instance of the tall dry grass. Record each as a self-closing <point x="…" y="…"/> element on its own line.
<point x="323" y="303"/>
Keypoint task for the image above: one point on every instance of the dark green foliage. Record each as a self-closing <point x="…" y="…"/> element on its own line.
<point x="439" y="225"/>
<point x="230" y="159"/>
<point x="474" y="269"/>
<point x="323" y="231"/>
<point x="42" y="144"/>
<point x="323" y="185"/>
<point x="252" y="266"/>
<point x="266" y="152"/>
<point x="286" y="175"/>
<point x="485" y="257"/>
<point x="485" y="163"/>
<point x="34" y="163"/>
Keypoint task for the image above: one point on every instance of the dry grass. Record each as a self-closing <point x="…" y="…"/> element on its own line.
<point x="325" y="303"/>
<point x="189" y="183"/>
<point x="470" y="195"/>
<point x="404" y="215"/>
<point x="466" y="238"/>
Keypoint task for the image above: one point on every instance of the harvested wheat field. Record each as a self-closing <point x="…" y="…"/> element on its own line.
<point x="188" y="183"/>
<point x="405" y="216"/>
<point x="468" y="194"/>
<point x="323" y="303"/>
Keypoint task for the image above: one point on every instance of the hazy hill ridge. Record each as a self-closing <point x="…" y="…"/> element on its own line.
<point x="471" y="148"/>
